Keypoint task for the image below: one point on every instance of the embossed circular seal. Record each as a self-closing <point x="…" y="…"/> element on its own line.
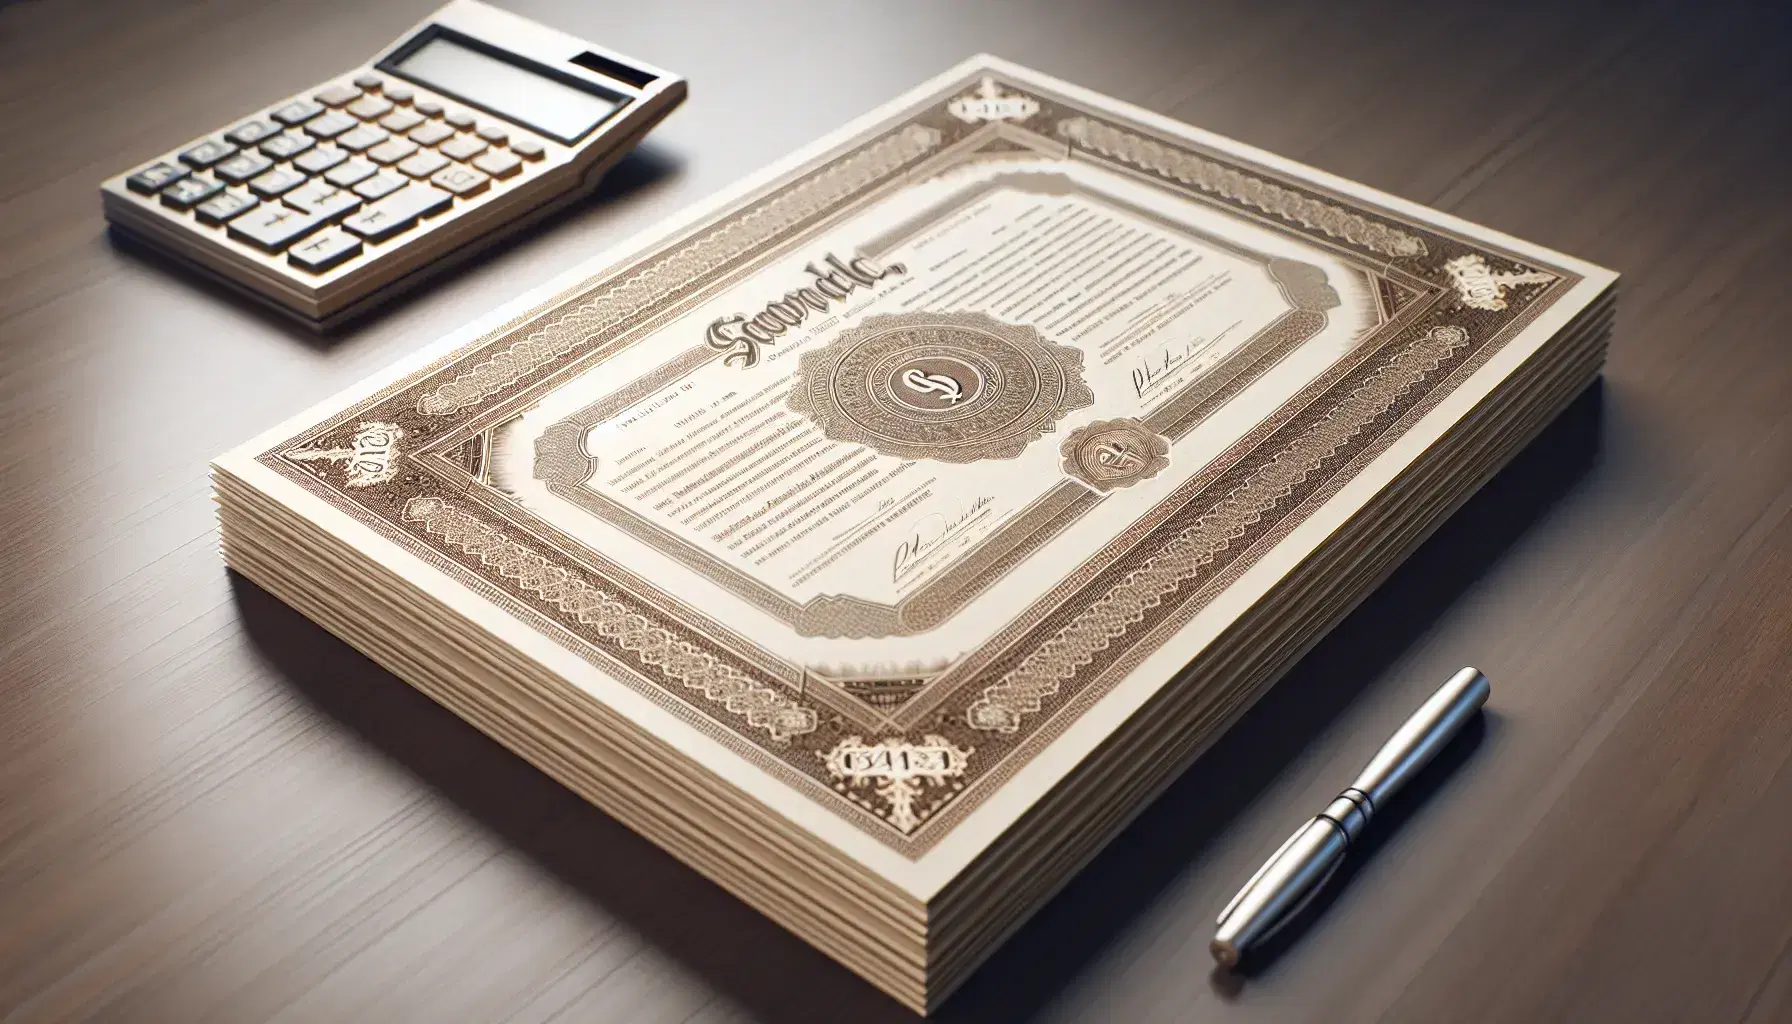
<point x="952" y="387"/>
<point x="1114" y="453"/>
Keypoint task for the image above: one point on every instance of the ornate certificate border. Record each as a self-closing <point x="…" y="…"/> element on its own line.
<point x="907" y="763"/>
<point x="563" y="465"/>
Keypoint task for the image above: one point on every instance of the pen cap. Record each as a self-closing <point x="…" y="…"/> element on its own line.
<point x="1423" y="735"/>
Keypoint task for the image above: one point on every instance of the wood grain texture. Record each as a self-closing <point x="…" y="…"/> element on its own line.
<point x="210" y="810"/>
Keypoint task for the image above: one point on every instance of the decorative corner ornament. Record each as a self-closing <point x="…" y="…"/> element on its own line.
<point x="1479" y="286"/>
<point x="989" y="103"/>
<point x="898" y="770"/>
<point x="1114" y="453"/>
<point x="950" y="387"/>
<point x="371" y="458"/>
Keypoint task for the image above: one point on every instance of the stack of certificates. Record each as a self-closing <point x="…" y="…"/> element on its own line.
<point x="881" y="536"/>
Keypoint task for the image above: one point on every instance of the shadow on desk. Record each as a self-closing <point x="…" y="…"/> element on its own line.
<point x="779" y="978"/>
<point x="642" y="168"/>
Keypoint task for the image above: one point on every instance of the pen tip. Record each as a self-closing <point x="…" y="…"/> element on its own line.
<point x="1224" y="952"/>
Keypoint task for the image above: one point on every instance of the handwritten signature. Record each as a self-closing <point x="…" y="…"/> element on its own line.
<point x="923" y="542"/>
<point x="1152" y="370"/>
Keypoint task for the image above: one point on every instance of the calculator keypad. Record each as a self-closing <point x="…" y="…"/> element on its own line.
<point x="322" y="178"/>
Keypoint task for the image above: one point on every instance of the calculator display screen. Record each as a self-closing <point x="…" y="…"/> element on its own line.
<point x="511" y="91"/>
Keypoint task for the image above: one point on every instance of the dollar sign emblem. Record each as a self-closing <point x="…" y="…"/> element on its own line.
<point x="938" y="383"/>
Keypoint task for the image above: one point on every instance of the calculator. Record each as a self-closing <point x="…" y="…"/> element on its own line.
<point x="473" y="125"/>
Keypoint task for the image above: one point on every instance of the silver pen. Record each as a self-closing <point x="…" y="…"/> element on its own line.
<point x="1291" y="878"/>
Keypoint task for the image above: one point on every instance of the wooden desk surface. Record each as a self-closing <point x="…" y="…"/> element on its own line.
<point x="211" y="810"/>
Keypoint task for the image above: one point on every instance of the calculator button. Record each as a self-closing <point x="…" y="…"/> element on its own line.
<point x="493" y="134"/>
<point x="250" y="132"/>
<point x="309" y="194"/>
<point x="297" y="112"/>
<point x="273" y="227"/>
<point x="367" y="108"/>
<point x="207" y="153"/>
<point x="323" y="199"/>
<point x="528" y="149"/>
<point x="336" y="95"/>
<point x="151" y="179"/>
<point x="462" y="147"/>
<point x="325" y="250"/>
<point x="361" y="138"/>
<point x="461" y="180"/>
<point x="458" y="118"/>
<point x="429" y="108"/>
<point x="368" y="80"/>
<point x="423" y="164"/>
<point x="320" y="160"/>
<point x="401" y="121"/>
<point x="399" y="93"/>
<point x="242" y="167"/>
<point x="285" y="147"/>
<point x="220" y="208"/>
<point x="398" y="212"/>
<point x="380" y="186"/>
<point x="391" y="151"/>
<point x="432" y="133"/>
<point x="498" y="163"/>
<point x="184" y="194"/>
<point x="276" y="181"/>
<point x="330" y="125"/>
<point x="349" y="173"/>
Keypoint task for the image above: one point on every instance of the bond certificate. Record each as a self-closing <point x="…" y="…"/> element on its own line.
<point x="887" y="485"/>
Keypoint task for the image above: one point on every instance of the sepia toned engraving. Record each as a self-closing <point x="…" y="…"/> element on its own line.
<point x="952" y="387"/>
<point x="899" y="772"/>
<point x="562" y="331"/>
<point x="371" y="456"/>
<point x="1479" y="286"/>
<point x="761" y="706"/>
<point x="789" y="731"/>
<point x="1004" y="705"/>
<point x="1115" y="453"/>
<point x="989" y="103"/>
<point x="1240" y="186"/>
